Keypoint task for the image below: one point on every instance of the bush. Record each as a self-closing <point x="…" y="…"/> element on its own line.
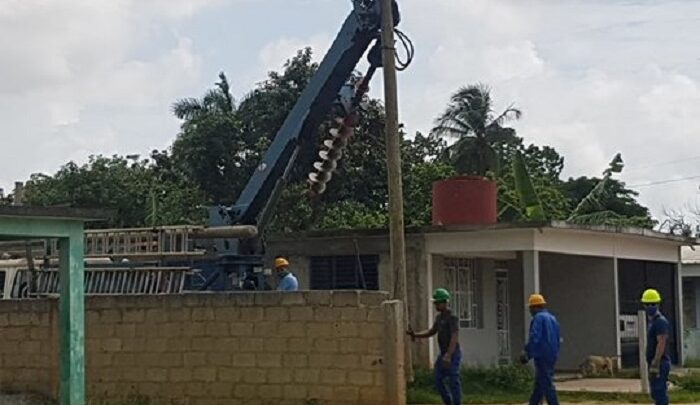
<point x="688" y="382"/>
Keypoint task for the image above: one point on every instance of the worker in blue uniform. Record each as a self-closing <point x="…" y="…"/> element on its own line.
<point x="657" y="355"/>
<point x="543" y="348"/>
<point x="288" y="282"/>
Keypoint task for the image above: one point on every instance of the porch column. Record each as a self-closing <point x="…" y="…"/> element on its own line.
<point x="680" y="329"/>
<point x="696" y="301"/>
<point x="531" y="282"/>
<point x="618" y="338"/>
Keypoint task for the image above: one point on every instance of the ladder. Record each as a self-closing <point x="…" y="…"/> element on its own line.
<point x="105" y="281"/>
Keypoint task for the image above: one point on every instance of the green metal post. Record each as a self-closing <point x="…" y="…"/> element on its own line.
<point x="72" y="318"/>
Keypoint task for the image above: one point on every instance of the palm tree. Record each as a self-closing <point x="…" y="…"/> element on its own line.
<point x="470" y="118"/>
<point x="217" y="100"/>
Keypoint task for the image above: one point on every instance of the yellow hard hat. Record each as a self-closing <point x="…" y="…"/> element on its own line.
<point x="651" y="296"/>
<point x="281" y="262"/>
<point x="535" y="300"/>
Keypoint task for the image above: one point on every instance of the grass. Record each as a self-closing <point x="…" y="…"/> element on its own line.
<point x="512" y="385"/>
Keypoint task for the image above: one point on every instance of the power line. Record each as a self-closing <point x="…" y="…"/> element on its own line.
<point x="656" y="183"/>
<point x="663" y="163"/>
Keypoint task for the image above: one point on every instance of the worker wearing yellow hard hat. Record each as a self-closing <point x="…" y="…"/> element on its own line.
<point x="543" y="348"/>
<point x="287" y="280"/>
<point x="657" y="355"/>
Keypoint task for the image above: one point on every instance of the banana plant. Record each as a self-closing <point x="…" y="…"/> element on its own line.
<point x="530" y="204"/>
<point x="591" y="208"/>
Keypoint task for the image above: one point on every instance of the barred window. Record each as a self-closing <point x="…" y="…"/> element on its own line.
<point x="462" y="278"/>
<point x="344" y="272"/>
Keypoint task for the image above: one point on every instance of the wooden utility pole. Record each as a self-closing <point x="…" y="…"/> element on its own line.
<point x="393" y="161"/>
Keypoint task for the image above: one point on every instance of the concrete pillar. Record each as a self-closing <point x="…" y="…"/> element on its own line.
<point x="617" y="313"/>
<point x="531" y="282"/>
<point x="679" y="311"/>
<point x="696" y="300"/>
<point x="394" y="351"/>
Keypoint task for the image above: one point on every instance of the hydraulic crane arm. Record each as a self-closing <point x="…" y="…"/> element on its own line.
<point x="261" y="192"/>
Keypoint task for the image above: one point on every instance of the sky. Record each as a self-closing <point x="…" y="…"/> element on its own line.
<point x="592" y="77"/>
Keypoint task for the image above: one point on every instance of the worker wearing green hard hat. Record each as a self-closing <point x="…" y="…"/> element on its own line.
<point x="447" y="365"/>
<point x="657" y="355"/>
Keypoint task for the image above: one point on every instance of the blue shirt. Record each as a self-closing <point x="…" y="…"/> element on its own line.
<point x="657" y="326"/>
<point x="543" y="342"/>
<point x="288" y="283"/>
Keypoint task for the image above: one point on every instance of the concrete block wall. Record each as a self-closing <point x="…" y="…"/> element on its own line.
<point x="248" y="348"/>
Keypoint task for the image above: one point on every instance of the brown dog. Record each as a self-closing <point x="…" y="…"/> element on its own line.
<point x="594" y="365"/>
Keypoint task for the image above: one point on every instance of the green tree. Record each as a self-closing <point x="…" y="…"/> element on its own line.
<point x="470" y="118"/>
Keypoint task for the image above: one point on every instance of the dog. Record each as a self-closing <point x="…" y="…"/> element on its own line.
<point x="594" y="365"/>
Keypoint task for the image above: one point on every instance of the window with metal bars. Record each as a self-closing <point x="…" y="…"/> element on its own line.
<point x="462" y="279"/>
<point x="344" y="272"/>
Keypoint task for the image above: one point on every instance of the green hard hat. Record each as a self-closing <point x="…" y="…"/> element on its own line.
<point x="441" y="295"/>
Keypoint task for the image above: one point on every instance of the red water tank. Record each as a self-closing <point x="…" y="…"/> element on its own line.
<point x="464" y="200"/>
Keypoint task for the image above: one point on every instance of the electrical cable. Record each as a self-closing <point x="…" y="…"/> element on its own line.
<point x="655" y="183"/>
<point x="407" y="44"/>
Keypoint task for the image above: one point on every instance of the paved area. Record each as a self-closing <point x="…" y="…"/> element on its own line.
<point x="601" y="385"/>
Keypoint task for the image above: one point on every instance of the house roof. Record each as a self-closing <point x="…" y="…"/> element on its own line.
<point x="607" y="229"/>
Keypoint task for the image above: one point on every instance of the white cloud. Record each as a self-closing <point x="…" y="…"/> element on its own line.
<point x="275" y="53"/>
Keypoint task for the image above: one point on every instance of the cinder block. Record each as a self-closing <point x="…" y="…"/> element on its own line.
<point x="299" y="345"/>
<point x="346" y="361"/>
<point x="241" y="329"/>
<point x="110" y="316"/>
<point x="227" y="314"/>
<point x="205" y="374"/>
<point x="220" y="390"/>
<point x="319" y="392"/>
<point x="203" y="314"/>
<point x="276" y="314"/>
<point x="252" y="314"/>
<point x="360" y="378"/>
<point x="333" y="377"/>
<point x="195" y="359"/>
<point x="326" y="345"/>
<point x="254" y="376"/>
<point x="353" y="345"/>
<point x="295" y="392"/>
<point x="134" y="315"/>
<point x="182" y="314"/>
<point x="348" y="394"/>
<point x="321" y="360"/>
<point x="293" y="298"/>
<point x="157" y="345"/>
<point x="291" y="329"/>
<point x="125" y="330"/>
<point x="134" y="345"/>
<point x="373" y="298"/>
<point x="156" y="316"/>
<point x="111" y="344"/>
<point x="353" y="314"/>
<point x="242" y="360"/>
<point x="295" y="360"/>
<point x="219" y="359"/>
<point x="269" y="360"/>
<point x="265" y="329"/>
<point x="268" y="298"/>
<point x="243" y="299"/>
<point x="217" y="329"/>
<point x="345" y="298"/>
<point x="245" y="392"/>
<point x="373" y="330"/>
<point x="276" y="345"/>
<point x="319" y="329"/>
<point x="250" y="345"/>
<point x="230" y="374"/>
<point x="375" y="314"/>
<point x="281" y="375"/>
<point x="123" y="359"/>
<point x="348" y="329"/>
<point x="270" y="391"/>
<point x="156" y="374"/>
<point x="194" y="329"/>
<point x="317" y="298"/>
<point x="326" y="314"/>
<point x="301" y="314"/>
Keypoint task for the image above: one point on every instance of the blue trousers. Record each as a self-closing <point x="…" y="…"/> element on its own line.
<point x="453" y="396"/>
<point x="659" y="384"/>
<point x="544" y="384"/>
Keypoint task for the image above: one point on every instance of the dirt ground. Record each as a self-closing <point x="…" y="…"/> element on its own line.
<point x="18" y="399"/>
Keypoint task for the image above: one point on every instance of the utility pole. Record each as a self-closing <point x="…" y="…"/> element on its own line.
<point x="393" y="161"/>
